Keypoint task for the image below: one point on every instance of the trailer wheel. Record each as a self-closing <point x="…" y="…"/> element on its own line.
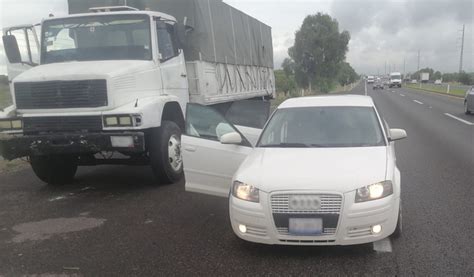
<point x="54" y="170"/>
<point x="165" y="152"/>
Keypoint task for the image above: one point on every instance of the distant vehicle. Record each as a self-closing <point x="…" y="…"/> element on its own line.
<point x="370" y="79"/>
<point x="343" y="136"/>
<point x="469" y="101"/>
<point x="438" y="82"/>
<point x="395" y="80"/>
<point x="424" y="77"/>
<point x="413" y="81"/>
<point x="377" y="85"/>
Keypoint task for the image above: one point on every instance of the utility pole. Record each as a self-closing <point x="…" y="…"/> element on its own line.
<point x="385" y="67"/>
<point x="462" y="49"/>
<point x="404" y="68"/>
<point x="418" y="68"/>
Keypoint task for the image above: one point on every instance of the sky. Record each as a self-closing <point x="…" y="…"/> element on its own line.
<point x="385" y="34"/>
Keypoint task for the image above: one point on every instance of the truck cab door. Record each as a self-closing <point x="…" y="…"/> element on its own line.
<point x="210" y="159"/>
<point x="172" y="62"/>
<point x="21" y="47"/>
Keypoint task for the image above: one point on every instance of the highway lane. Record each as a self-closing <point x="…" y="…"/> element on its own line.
<point x="113" y="221"/>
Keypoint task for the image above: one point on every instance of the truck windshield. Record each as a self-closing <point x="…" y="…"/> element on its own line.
<point x="90" y="38"/>
<point x="395" y="77"/>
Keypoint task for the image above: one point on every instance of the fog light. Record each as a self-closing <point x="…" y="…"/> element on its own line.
<point x="122" y="142"/>
<point x="242" y="228"/>
<point x="376" y="229"/>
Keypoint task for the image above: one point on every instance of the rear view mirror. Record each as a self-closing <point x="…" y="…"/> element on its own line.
<point x="12" y="50"/>
<point x="231" y="138"/>
<point x="397" y="134"/>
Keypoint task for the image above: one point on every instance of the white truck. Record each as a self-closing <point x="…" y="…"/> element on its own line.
<point x="395" y="80"/>
<point x="110" y="85"/>
<point x="424" y="77"/>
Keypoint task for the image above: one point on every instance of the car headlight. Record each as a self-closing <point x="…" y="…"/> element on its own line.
<point x="374" y="191"/>
<point x="245" y="192"/>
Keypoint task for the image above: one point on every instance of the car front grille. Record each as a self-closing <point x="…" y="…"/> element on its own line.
<point x="62" y="124"/>
<point x="61" y="94"/>
<point x="329" y="209"/>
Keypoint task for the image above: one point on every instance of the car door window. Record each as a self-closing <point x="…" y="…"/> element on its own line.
<point x="205" y="122"/>
<point x="249" y="113"/>
<point x="167" y="42"/>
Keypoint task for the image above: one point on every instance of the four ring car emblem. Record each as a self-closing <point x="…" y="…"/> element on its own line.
<point x="304" y="202"/>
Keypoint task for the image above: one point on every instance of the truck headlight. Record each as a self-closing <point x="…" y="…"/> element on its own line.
<point x="245" y="192"/>
<point x="374" y="191"/>
<point x="122" y="120"/>
<point x="11" y="125"/>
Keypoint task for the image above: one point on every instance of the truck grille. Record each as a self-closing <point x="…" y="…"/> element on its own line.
<point x="61" y="94"/>
<point x="328" y="209"/>
<point x="62" y="124"/>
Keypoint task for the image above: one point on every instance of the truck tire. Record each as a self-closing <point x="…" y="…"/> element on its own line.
<point x="54" y="170"/>
<point x="165" y="153"/>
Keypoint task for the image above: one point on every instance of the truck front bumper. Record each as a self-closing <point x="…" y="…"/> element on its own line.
<point x="16" y="146"/>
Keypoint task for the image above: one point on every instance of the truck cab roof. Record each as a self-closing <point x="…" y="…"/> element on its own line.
<point x="121" y="12"/>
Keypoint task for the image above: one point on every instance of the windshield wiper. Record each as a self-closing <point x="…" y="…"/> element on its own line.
<point x="287" y="144"/>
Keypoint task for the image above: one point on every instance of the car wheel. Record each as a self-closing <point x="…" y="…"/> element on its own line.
<point x="466" y="109"/>
<point x="398" y="229"/>
<point x="165" y="153"/>
<point x="54" y="170"/>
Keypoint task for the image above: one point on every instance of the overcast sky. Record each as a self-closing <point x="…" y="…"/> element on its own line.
<point x="382" y="32"/>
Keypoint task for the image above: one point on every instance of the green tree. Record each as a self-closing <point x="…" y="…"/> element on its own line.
<point x="437" y="75"/>
<point x="283" y="82"/>
<point x="347" y="74"/>
<point x="464" y="78"/>
<point x="318" y="51"/>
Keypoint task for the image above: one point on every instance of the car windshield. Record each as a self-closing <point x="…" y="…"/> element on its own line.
<point x="89" y="38"/>
<point x="323" y="127"/>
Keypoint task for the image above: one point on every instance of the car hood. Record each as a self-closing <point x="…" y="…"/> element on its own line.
<point x="320" y="169"/>
<point x="83" y="70"/>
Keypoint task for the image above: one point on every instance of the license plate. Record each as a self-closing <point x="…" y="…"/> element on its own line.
<point x="305" y="226"/>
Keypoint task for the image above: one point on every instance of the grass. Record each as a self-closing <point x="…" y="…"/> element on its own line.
<point x="438" y="89"/>
<point x="5" y="99"/>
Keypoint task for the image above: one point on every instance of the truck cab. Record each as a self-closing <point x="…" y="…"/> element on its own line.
<point x="94" y="86"/>
<point x="395" y="80"/>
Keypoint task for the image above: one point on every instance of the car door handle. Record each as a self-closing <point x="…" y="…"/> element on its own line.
<point x="190" y="148"/>
<point x="183" y="75"/>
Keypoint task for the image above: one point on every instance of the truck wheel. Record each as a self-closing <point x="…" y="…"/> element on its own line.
<point x="54" y="169"/>
<point x="165" y="153"/>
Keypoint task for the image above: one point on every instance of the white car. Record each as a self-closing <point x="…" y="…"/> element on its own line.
<point x="370" y="79"/>
<point x="322" y="173"/>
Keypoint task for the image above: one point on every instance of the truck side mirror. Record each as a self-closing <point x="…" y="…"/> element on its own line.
<point x="180" y="33"/>
<point x="12" y="50"/>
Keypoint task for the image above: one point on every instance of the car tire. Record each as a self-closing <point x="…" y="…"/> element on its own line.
<point x="54" y="170"/>
<point x="165" y="153"/>
<point x="399" y="228"/>
<point x="466" y="109"/>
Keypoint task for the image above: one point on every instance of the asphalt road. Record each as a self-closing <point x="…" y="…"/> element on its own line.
<point x="113" y="221"/>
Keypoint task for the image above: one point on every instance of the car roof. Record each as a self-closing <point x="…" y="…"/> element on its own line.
<point x="328" y="101"/>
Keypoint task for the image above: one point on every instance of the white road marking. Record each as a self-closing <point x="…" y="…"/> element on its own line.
<point x="416" y="101"/>
<point x="459" y="119"/>
<point x="384" y="245"/>
<point x="402" y="95"/>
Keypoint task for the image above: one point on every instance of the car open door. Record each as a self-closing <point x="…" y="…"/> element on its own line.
<point x="21" y="47"/>
<point x="210" y="163"/>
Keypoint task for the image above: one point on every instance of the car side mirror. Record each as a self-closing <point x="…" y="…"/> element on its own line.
<point x="12" y="50"/>
<point x="397" y="134"/>
<point x="231" y="138"/>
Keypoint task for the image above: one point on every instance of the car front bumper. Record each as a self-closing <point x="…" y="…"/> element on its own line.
<point x="354" y="222"/>
<point x="16" y="146"/>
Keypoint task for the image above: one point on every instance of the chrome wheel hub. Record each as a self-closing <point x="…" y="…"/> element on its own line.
<point x="174" y="153"/>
